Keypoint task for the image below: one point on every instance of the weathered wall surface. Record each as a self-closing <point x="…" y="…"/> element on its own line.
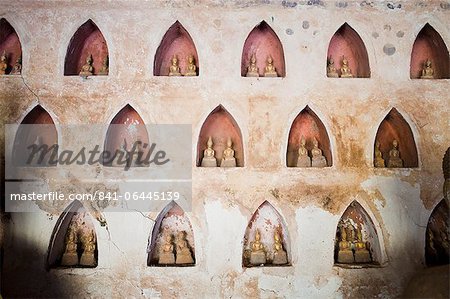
<point x="311" y="201"/>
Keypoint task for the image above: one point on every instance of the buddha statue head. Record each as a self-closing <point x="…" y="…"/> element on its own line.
<point x="315" y="143"/>
<point x="269" y="60"/>
<point x="229" y="142"/>
<point x="4" y="58"/>
<point x="174" y="60"/>
<point x="253" y="59"/>
<point x="191" y="59"/>
<point x="257" y="236"/>
<point x="209" y="143"/>
<point x="395" y="144"/>
<point x="428" y="63"/>
<point x="344" y="61"/>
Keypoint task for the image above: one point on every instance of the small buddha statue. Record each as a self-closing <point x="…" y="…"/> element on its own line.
<point x="303" y="159"/>
<point x="331" y="70"/>
<point x="208" y="159"/>
<point x="252" y="69"/>
<point x="279" y="254"/>
<point x="3" y="63"/>
<point x="362" y="255"/>
<point x="258" y="252"/>
<point x="346" y="72"/>
<point x="228" y="159"/>
<point x="379" y="161"/>
<point x="345" y="253"/>
<point x="269" y="70"/>
<point x="104" y="71"/>
<point x="87" y="69"/>
<point x="191" y="68"/>
<point x="174" y="69"/>
<point x="70" y="255"/>
<point x="87" y="257"/>
<point x="17" y="68"/>
<point x="318" y="160"/>
<point x="166" y="254"/>
<point x="427" y="72"/>
<point x="394" y="156"/>
<point x="184" y="255"/>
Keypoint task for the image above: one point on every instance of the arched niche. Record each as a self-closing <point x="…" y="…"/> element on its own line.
<point x="437" y="238"/>
<point x="74" y="222"/>
<point x="37" y="128"/>
<point x="178" y="42"/>
<point x="395" y="127"/>
<point x="356" y="238"/>
<point x="267" y="221"/>
<point x="10" y="45"/>
<point x="308" y="125"/>
<point x="347" y="42"/>
<point x="263" y="42"/>
<point x="87" y="40"/>
<point x="126" y="137"/>
<point x="170" y="222"/>
<point x="429" y="45"/>
<point x="220" y="125"/>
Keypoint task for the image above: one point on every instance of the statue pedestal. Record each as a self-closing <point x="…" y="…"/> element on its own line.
<point x="345" y="257"/>
<point x="427" y="77"/>
<point x="379" y="163"/>
<point x="190" y="74"/>
<point x="346" y="76"/>
<point x="252" y="75"/>
<point x="166" y="258"/>
<point x="184" y="258"/>
<point x="395" y="163"/>
<point x="274" y="74"/>
<point x="304" y="161"/>
<point x="257" y="258"/>
<point x="209" y="162"/>
<point x="280" y="258"/>
<point x="319" y="162"/>
<point x="69" y="259"/>
<point x="333" y="75"/>
<point x="174" y="74"/>
<point x="362" y="256"/>
<point x="228" y="163"/>
<point x="87" y="259"/>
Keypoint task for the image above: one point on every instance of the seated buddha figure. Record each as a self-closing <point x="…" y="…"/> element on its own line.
<point x="228" y="159"/>
<point x="88" y="241"/>
<point x="3" y="63"/>
<point x="378" y="160"/>
<point x="208" y="159"/>
<point x="303" y="159"/>
<point x="87" y="69"/>
<point x="70" y="255"/>
<point x="183" y="251"/>
<point x="258" y="252"/>
<point x="318" y="160"/>
<point x="174" y="69"/>
<point x="345" y="253"/>
<point x="346" y="72"/>
<point x="279" y="254"/>
<point x="191" y="67"/>
<point x="252" y="69"/>
<point x="17" y="68"/>
<point x="269" y="70"/>
<point x="394" y="156"/>
<point x="166" y="253"/>
<point x="362" y="255"/>
<point x="331" y="69"/>
<point x="427" y="72"/>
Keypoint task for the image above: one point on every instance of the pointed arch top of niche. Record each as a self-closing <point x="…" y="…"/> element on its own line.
<point x="10" y="45"/>
<point x="172" y="240"/>
<point x="220" y="125"/>
<point x="429" y="45"/>
<point x="87" y="41"/>
<point x="357" y="241"/>
<point x="395" y="127"/>
<point x="263" y="42"/>
<point x="126" y="129"/>
<point x="176" y="42"/>
<point x="74" y="241"/>
<point x="347" y="43"/>
<point x="309" y="126"/>
<point x="437" y="236"/>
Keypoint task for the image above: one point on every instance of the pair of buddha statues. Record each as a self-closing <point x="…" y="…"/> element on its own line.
<point x="351" y="245"/>
<point x="253" y="70"/>
<point x="316" y="160"/>
<point x="258" y="251"/>
<point x="209" y="159"/>
<point x="346" y="72"/>
<point x="88" y="70"/>
<point x="74" y="237"/>
<point x="16" y="69"/>
<point x="174" y="69"/>
<point x="171" y="253"/>
<point x="394" y="160"/>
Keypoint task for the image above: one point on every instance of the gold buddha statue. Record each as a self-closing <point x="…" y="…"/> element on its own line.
<point x="17" y="68"/>
<point x="318" y="160"/>
<point x="331" y="70"/>
<point x="70" y="255"/>
<point x="394" y="156"/>
<point x="105" y="67"/>
<point x="174" y="69"/>
<point x="166" y="254"/>
<point x="252" y="69"/>
<point x="346" y="72"/>
<point x="258" y="252"/>
<point x="279" y="254"/>
<point x="228" y="159"/>
<point x="184" y="255"/>
<point x="345" y="253"/>
<point x="191" y="68"/>
<point x="379" y="161"/>
<point x="87" y="69"/>
<point x="269" y="70"/>
<point x="208" y="159"/>
<point x="3" y="63"/>
<point x="427" y="72"/>
<point x="362" y="255"/>
<point x="87" y="257"/>
<point x="303" y="159"/>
